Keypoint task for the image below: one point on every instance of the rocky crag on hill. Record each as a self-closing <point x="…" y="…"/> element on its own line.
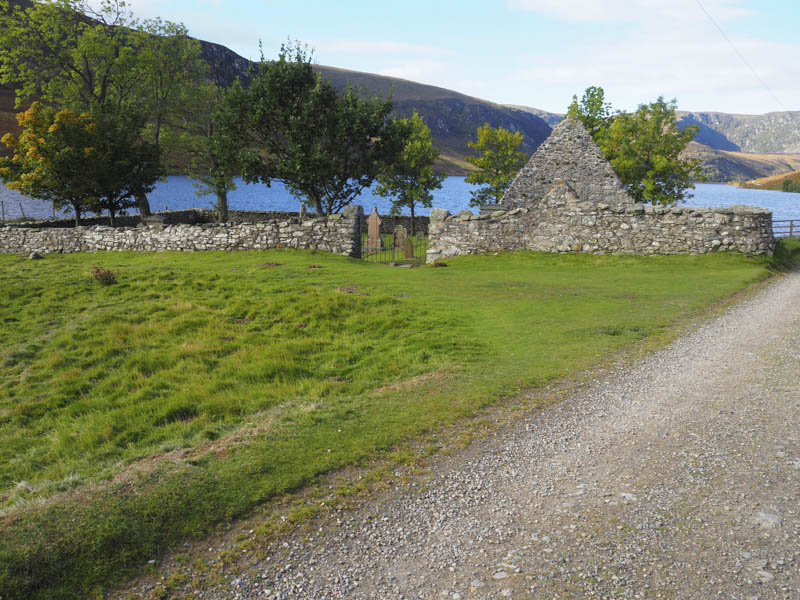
<point x="775" y="132"/>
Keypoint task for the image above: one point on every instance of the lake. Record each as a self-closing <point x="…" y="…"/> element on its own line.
<point x="177" y="192"/>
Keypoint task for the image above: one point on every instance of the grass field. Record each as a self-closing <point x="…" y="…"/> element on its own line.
<point x="199" y="386"/>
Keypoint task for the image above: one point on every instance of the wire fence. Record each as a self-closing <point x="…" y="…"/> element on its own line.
<point x="788" y="228"/>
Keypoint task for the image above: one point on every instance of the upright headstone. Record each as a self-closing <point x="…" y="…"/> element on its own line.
<point x="402" y="243"/>
<point x="374" y="240"/>
<point x="302" y="211"/>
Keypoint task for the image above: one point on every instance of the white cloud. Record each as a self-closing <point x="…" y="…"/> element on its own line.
<point x="422" y="70"/>
<point x="376" y="47"/>
<point x="631" y="10"/>
<point x="695" y="64"/>
<point x="433" y="72"/>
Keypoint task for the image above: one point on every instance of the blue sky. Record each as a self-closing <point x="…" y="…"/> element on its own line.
<point x="533" y="52"/>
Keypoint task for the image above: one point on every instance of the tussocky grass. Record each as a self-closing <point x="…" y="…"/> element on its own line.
<point x="199" y="386"/>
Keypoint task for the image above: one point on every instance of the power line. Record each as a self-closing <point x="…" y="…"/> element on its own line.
<point x="744" y="60"/>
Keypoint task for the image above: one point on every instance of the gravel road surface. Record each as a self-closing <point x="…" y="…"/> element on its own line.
<point x="677" y="477"/>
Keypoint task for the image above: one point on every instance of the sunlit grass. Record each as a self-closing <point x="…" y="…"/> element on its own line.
<point x="200" y="385"/>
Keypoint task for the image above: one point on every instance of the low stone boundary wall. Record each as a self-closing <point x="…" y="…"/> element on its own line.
<point x="562" y="223"/>
<point x="195" y="216"/>
<point x="339" y="234"/>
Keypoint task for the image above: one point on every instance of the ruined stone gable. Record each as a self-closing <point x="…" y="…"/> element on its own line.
<point x="569" y="154"/>
<point x="569" y="199"/>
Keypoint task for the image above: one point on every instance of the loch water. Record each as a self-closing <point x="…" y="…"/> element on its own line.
<point x="178" y="192"/>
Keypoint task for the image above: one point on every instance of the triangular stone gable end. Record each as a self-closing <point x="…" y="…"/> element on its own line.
<point x="569" y="154"/>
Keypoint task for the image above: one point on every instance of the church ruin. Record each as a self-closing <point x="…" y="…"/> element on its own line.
<point x="568" y="198"/>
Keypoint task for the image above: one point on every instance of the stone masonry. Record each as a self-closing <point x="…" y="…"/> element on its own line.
<point x="569" y="199"/>
<point x="569" y="154"/>
<point x="339" y="234"/>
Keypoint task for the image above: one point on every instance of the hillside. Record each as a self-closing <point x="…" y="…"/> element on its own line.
<point x="727" y="166"/>
<point x="451" y="116"/>
<point x="776" y="132"/>
<point x="775" y="182"/>
<point x="551" y="119"/>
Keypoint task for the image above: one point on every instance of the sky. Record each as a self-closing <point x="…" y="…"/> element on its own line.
<point x="734" y="56"/>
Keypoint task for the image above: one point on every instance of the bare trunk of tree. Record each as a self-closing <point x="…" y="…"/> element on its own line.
<point x="317" y="205"/>
<point x="222" y="205"/>
<point x="142" y="204"/>
<point x="111" y="217"/>
<point x="413" y="228"/>
<point x="76" y="207"/>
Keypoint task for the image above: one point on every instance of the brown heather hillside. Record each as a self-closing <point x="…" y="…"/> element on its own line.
<point x="772" y="183"/>
<point x="452" y="117"/>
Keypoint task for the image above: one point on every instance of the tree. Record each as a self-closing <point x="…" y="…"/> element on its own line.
<point x="66" y="53"/>
<point x="122" y="165"/>
<point x="410" y="179"/>
<point x="498" y="163"/>
<point x="212" y="149"/>
<point x="644" y="147"/>
<point x="69" y="54"/>
<point x="88" y="162"/>
<point x="47" y="158"/>
<point x="592" y="110"/>
<point x="170" y="74"/>
<point x="787" y="185"/>
<point x="294" y="127"/>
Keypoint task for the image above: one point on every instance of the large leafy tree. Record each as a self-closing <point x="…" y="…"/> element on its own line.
<point x="67" y="53"/>
<point x="296" y="128"/>
<point x="87" y="162"/>
<point x="498" y="163"/>
<point x="644" y="146"/>
<point x="410" y="179"/>
<point x="211" y="147"/>
<point x="171" y="76"/>
<point x="95" y="56"/>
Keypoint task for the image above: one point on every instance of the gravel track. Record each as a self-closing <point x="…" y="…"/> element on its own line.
<point x="678" y="477"/>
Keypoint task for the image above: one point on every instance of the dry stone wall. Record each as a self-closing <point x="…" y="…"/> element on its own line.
<point x="196" y="216"/>
<point x="569" y="199"/>
<point x="339" y="234"/>
<point x="561" y="222"/>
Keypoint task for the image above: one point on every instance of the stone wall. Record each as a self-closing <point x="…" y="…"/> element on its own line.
<point x="204" y="215"/>
<point x="339" y="234"/>
<point x="561" y="222"/>
<point x="569" y="199"/>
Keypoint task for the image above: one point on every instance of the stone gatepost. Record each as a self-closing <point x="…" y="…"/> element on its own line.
<point x="354" y="213"/>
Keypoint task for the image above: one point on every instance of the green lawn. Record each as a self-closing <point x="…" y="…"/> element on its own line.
<point x="201" y="385"/>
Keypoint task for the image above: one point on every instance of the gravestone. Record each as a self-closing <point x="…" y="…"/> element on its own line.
<point x="402" y="243"/>
<point x="374" y="240"/>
